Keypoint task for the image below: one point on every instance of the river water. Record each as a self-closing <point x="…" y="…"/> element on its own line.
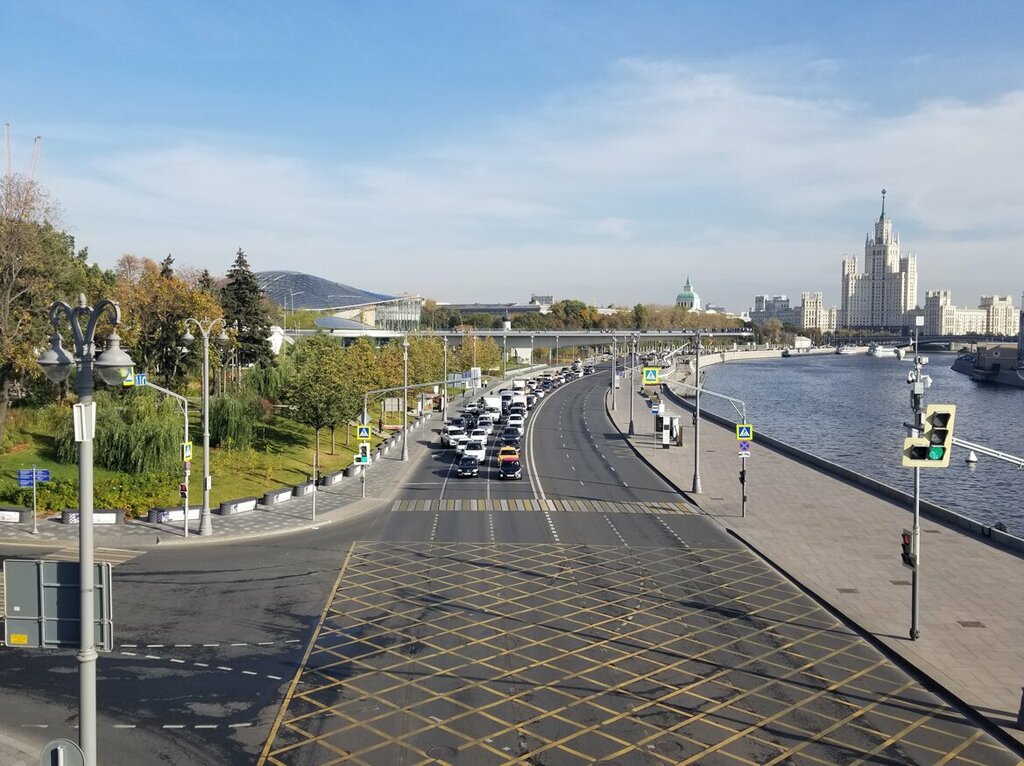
<point x="850" y="410"/>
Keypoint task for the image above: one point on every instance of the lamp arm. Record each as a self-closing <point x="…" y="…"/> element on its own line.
<point x="104" y="306"/>
<point x="60" y="307"/>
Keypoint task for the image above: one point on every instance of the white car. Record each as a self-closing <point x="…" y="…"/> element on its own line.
<point x="460" y="442"/>
<point x="450" y="435"/>
<point x="475" y="449"/>
<point x="516" y="421"/>
<point x="486" y="425"/>
<point x="478" y="435"/>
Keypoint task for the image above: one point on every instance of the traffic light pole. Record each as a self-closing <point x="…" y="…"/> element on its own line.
<point x="916" y="398"/>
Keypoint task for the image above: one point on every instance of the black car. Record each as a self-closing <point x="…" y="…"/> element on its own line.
<point x="510" y="469"/>
<point x="467" y="466"/>
<point x="509" y="441"/>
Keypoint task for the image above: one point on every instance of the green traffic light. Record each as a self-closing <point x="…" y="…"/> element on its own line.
<point x="936" y="451"/>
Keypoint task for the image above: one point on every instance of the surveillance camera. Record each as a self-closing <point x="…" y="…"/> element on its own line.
<point x="927" y="381"/>
<point x="910" y="377"/>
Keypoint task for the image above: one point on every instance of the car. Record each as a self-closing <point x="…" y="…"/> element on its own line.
<point x="478" y="435"/>
<point x="588" y="370"/>
<point x="510" y="469"/>
<point x="486" y="425"/>
<point x="457" y="422"/>
<point x="517" y="422"/>
<point x="507" y="453"/>
<point x="475" y="449"/>
<point x="531" y="401"/>
<point x="467" y="466"/>
<point x="511" y="432"/>
<point x="451" y="434"/>
<point x="460" y="442"/>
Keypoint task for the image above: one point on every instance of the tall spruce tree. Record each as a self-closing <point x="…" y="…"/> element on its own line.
<point x="245" y="308"/>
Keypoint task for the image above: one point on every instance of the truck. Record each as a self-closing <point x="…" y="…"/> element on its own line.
<point x="491" y="402"/>
<point x="519" y="385"/>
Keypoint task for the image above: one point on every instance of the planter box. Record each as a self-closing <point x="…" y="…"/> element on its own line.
<point x="275" y="496"/>
<point x="104" y="516"/>
<point x="352" y="470"/>
<point x="301" y="490"/>
<point x="13" y="515"/>
<point x="241" y="505"/>
<point x="330" y="479"/>
<point x="173" y="514"/>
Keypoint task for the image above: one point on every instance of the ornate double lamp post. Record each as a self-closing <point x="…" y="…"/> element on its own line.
<point x="205" y="327"/>
<point x="112" y="365"/>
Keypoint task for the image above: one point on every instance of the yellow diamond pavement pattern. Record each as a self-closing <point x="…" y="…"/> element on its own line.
<point x="463" y="653"/>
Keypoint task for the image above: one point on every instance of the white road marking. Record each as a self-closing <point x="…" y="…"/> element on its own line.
<point x="276" y="678"/>
<point x="124" y="726"/>
<point x="175" y="659"/>
<point x="200" y="664"/>
<point x="206" y="726"/>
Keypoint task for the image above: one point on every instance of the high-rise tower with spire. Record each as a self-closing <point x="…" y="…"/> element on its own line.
<point x="885" y="293"/>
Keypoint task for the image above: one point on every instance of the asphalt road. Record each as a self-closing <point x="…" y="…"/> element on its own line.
<point x="554" y="623"/>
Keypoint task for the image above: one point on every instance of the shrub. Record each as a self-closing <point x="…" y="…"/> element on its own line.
<point x="233" y="420"/>
<point x="138" y="432"/>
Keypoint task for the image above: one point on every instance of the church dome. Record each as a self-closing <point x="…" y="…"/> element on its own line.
<point x="688" y="298"/>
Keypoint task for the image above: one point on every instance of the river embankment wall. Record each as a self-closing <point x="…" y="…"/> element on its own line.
<point x="928" y="509"/>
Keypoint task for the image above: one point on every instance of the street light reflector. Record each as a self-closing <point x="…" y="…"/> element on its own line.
<point x="223" y="339"/>
<point x="187" y="338"/>
<point x="55" y="361"/>
<point x="113" y="365"/>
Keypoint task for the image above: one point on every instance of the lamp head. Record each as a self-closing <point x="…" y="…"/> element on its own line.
<point x="188" y="338"/>
<point x="223" y="339"/>
<point x="55" y="361"/>
<point x="113" y="365"/>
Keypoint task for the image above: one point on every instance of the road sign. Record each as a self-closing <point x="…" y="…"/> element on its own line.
<point x="364" y="432"/>
<point x="129" y="379"/>
<point x="186" y="451"/>
<point x="41" y="600"/>
<point x="744" y="449"/>
<point x="141" y="379"/>
<point x="651" y="376"/>
<point x="62" y="751"/>
<point x="25" y="476"/>
<point x="744" y="432"/>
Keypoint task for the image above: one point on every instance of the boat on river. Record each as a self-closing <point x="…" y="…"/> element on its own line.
<point x="998" y="363"/>
<point x="879" y="350"/>
<point x="847" y="350"/>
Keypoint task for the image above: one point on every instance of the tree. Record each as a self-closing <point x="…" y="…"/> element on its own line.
<point x="640" y="316"/>
<point x="154" y="305"/>
<point x="37" y="265"/>
<point x="245" y="307"/>
<point x="772" y="329"/>
<point x="318" y="389"/>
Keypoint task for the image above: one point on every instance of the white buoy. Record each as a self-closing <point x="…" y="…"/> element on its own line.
<point x="972" y="458"/>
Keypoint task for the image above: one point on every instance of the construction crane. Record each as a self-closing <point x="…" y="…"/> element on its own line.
<point x="35" y="151"/>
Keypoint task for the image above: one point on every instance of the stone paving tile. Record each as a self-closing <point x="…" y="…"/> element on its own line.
<point x="828" y="534"/>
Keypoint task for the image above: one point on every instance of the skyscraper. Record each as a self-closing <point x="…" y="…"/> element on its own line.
<point x="886" y="291"/>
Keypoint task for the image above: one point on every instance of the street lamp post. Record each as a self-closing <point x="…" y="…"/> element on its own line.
<point x="613" y="372"/>
<point x="531" y="351"/>
<point x="112" y="365"/>
<point x="405" y="402"/>
<point x="205" y="327"/>
<point x="696" y="424"/>
<point x="504" y="357"/>
<point x="444" y="387"/>
<point x="632" y="394"/>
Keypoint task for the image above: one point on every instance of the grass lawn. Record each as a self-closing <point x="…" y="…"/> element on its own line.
<point x="281" y="455"/>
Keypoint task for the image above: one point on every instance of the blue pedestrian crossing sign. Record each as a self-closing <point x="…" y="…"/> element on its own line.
<point x="364" y="432"/>
<point x="744" y="432"/>
<point x="650" y="376"/>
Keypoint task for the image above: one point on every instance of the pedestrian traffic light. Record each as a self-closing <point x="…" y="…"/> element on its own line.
<point x="363" y="457"/>
<point x="183" y="488"/>
<point x="932" y="448"/>
<point x="906" y="542"/>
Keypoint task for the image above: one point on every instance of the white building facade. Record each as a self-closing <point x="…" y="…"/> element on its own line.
<point x="995" y="315"/>
<point x="884" y="294"/>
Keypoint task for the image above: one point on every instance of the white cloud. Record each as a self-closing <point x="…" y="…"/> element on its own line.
<point x="664" y="168"/>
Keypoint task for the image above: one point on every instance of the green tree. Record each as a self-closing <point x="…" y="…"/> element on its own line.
<point x="317" y="390"/>
<point x="246" y="308"/>
<point x="37" y="266"/>
<point x="641" y="314"/>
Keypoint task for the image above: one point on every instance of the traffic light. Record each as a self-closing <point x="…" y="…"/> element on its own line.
<point x="931" y="449"/>
<point x="364" y="453"/>
<point x="183" y="489"/>
<point x="906" y="542"/>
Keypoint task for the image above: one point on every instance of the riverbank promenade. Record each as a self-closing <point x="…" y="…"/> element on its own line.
<point x="843" y="544"/>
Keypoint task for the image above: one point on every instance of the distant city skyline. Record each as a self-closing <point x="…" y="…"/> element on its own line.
<point x="484" y="151"/>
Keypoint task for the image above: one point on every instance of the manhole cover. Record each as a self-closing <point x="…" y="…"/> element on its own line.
<point x="442" y="751"/>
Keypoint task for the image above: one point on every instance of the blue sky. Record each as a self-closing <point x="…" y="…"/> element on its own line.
<point x="489" y="150"/>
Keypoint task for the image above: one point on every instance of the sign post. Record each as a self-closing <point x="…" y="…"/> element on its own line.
<point x="29" y="477"/>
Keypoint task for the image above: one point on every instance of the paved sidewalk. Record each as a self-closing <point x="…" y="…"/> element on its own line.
<point x="842" y="543"/>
